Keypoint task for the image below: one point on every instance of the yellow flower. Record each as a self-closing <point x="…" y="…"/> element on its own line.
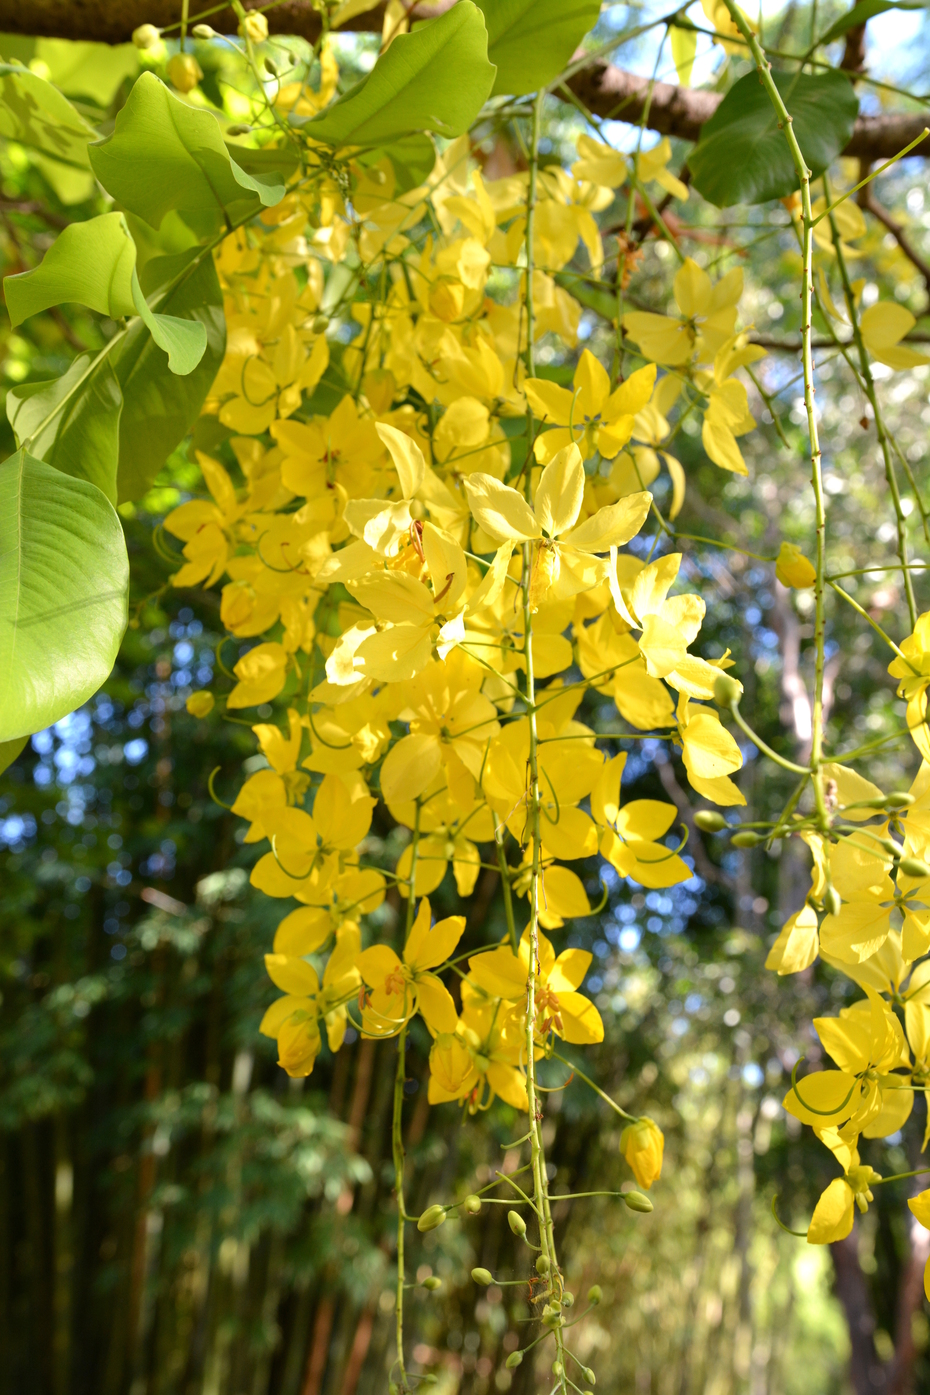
<point x="309" y="851"/>
<point x="833" y="1215"/>
<point x="631" y="832"/>
<point x="792" y="567"/>
<point x="261" y="674"/>
<point x="481" y="1058"/>
<point x="706" y="322"/>
<point x="642" y="1144"/>
<point x="294" y="1019"/>
<point x="591" y="416"/>
<point x="201" y="703"/>
<point x="920" y="1207"/>
<point x="559" y="1007"/>
<point x="399" y="988"/>
<point x="883" y="326"/>
<point x="651" y="169"/>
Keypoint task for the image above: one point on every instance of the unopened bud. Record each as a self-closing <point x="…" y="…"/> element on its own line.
<point x="913" y="867"/>
<point x="146" y="36"/>
<point x="432" y="1217"/>
<point x="392" y="1388"/>
<point x="271" y="66"/>
<point x="568" y="1299"/>
<point x="589" y="1375"/>
<point x="203" y="31"/>
<point x="513" y="1360"/>
<point x="556" y="1368"/>
<point x="320" y="324"/>
<point x="199" y="704"/>
<point x="542" y="1264"/>
<point x="241" y="128"/>
<point x="637" y="1201"/>
<point x="255" y="27"/>
<point x="552" y="1315"/>
<point x="484" y="1277"/>
<point x="472" y="1204"/>
<point x="726" y="691"/>
<point x="899" y="799"/>
<point x="517" y="1223"/>
<point x="595" y="1294"/>
<point x="709" y="821"/>
<point x="431" y="1283"/>
<point x="184" y="72"/>
<point x="832" y="901"/>
<point x="746" y="839"/>
<point x="889" y="846"/>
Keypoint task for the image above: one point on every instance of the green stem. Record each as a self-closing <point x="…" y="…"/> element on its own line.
<point x="598" y="1091"/>
<point x="397" y="1139"/>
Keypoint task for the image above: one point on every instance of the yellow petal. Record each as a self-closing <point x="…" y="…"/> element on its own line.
<point x="503" y="513"/>
<point x="291" y="974"/>
<point x="833" y="1215"/>
<point x="410" y="767"/>
<point x="407" y="457"/>
<point x="435" y="1004"/>
<point x="560" y="492"/>
<point x="611" y="526"/>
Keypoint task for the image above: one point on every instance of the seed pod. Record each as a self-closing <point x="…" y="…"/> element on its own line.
<point x="184" y="72"/>
<point x="709" y="821"/>
<point x="513" y="1360"/>
<point x="898" y="799"/>
<point x="832" y="901"/>
<point x="726" y="691"/>
<point x="203" y="31"/>
<point x="432" y="1283"/>
<point x="638" y="1202"/>
<point x="517" y="1223"/>
<point x="472" y="1204"/>
<point x="589" y="1375"/>
<point x="542" y="1265"/>
<point x="484" y="1277"/>
<point x="595" y="1294"/>
<point x="432" y="1217"/>
<point x="913" y="867"/>
<point x="746" y="839"/>
<point x="146" y="36"/>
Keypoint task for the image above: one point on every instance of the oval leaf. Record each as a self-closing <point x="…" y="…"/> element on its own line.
<point x="89" y="263"/>
<point x="531" y="41"/>
<point x="743" y="157"/>
<point x="64" y="583"/>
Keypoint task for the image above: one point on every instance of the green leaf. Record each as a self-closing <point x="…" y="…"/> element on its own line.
<point x="77" y="68"/>
<point x="862" y="13"/>
<point x="9" y="750"/>
<point x="83" y="438"/>
<point x="531" y="41"/>
<point x="159" y="408"/>
<point x="683" y="41"/>
<point x="35" y="113"/>
<point x="164" y="155"/>
<point x="743" y="157"/>
<point x="184" y="341"/>
<point x="435" y="79"/>
<point x="89" y="263"/>
<point x="413" y="158"/>
<point x="64" y="583"/>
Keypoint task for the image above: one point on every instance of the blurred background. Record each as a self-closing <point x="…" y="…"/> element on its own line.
<point x="179" y="1218"/>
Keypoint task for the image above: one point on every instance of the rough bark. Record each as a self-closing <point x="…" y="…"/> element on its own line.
<point x="607" y="91"/>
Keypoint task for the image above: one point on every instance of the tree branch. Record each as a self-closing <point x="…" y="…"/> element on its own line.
<point x="605" y="90"/>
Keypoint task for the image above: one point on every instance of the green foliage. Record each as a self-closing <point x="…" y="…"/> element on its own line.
<point x="742" y="156"/>
<point x="64" y="578"/>
<point x="165" y="156"/>
<point x="435" y="79"/>
<point x="76" y="431"/>
<point x="91" y="263"/>
<point x="530" y="41"/>
<point x="36" y="115"/>
<point x="862" y="12"/>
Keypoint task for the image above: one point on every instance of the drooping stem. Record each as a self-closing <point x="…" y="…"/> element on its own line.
<point x="397" y="1138"/>
<point x="786" y="123"/>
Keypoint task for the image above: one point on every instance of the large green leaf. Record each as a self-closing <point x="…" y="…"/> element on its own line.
<point x="862" y="13"/>
<point x="531" y="41"/>
<point x="89" y="263"/>
<point x="9" y="750"/>
<point x="743" y="157"/>
<point x="166" y="155"/>
<point x="83" y="438"/>
<point x="35" y="113"/>
<point x="64" y="582"/>
<point x="435" y="79"/>
<point x="77" y="68"/>
<point x="158" y="407"/>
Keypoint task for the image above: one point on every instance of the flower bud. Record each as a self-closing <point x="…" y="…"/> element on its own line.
<point x="792" y="567"/>
<point x="889" y="846"/>
<point x="913" y="867"/>
<point x="320" y="324"/>
<point x="271" y="66"/>
<point x="146" y="36"/>
<point x="542" y="1264"/>
<point x="898" y="799"/>
<point x="255" y="27"/>
<point x="568" y="1299"/>
<point x="832" y="901"/>
<point x="746" y="839"/>
<point x="637" y="1202"/>
<point x="472" y="1204"/>
<point x="392" y="1388"/>
<point x="200" y="703"/>
<point x="184" y="72"/>
<point x="642" y="1144"/>
<point x="432" y="1217"/>
<point x="556" y="1368"/>
<point x="726" y="691"/>
<point x="517" y="1223"/>
<point x="241" y="128"/>
<point x="513" y="1360"/>
<point x="709" y="821"/>
<point x="431" y="1283"/>
<point x="203" y="31"/>
<point x="551" y="1317"/>
<point x="484" y="1277"/>
<point x="595" y="1294"/>
<point x="589" y="1375"/>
